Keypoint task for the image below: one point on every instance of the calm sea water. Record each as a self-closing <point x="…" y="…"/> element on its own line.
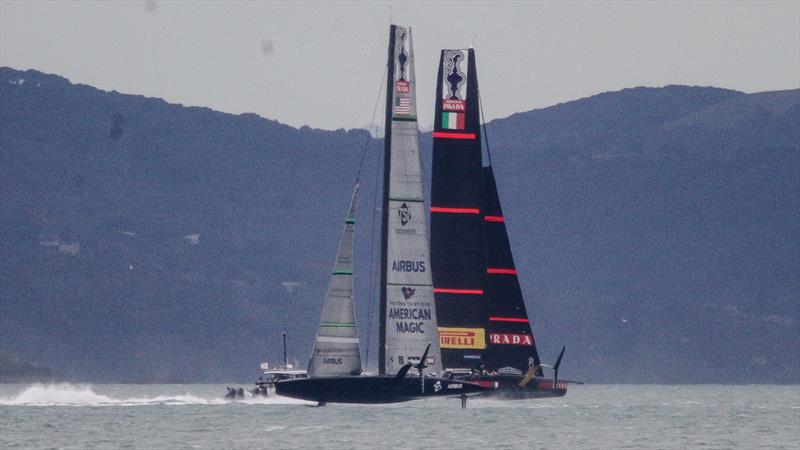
<point x="601" y="416"/>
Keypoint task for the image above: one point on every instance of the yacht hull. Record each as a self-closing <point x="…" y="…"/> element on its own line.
<point x="374" y="389"/>
<point x="508" y="387"/>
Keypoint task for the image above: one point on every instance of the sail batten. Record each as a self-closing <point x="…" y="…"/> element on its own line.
<point x="336" y="348"/>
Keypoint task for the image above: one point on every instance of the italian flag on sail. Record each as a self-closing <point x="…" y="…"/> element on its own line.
<point x="452" y="120"/>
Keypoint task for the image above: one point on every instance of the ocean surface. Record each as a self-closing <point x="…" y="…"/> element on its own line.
<point x="590" y="416"/>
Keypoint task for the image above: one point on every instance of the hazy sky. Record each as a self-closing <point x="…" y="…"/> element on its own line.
<point x="321" y="64"/>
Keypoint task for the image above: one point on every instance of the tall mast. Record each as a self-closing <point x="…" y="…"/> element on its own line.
<point x="387" y="166"/>
<point x="285" y="355"/>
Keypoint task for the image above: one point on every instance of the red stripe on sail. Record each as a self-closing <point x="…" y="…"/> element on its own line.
<point x="507" y="319"/>
<point x="494" y="270"/>
<point x="439" y="209"/>
<point x="494" y="219"/>
<point x="458" y="291"/>
<point x="440" y="134"/>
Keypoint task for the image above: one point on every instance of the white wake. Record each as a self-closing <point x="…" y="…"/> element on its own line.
<point x="66" y="394"/>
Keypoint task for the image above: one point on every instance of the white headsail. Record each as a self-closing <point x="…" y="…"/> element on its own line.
<point x="336" y="350"/>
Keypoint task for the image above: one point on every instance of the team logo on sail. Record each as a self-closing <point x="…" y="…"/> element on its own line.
<point x="511" y="339"/>
<point x="402" y="58"/>
<point x="474" y="338"/>
<point x="404" y="265"/>
<point x="454" y="79"/>
<point x="408" y="292"/>
<point x="410" y="320"/>
<point x="454" y="104"/>
<point x="405" y="214"/>
<point x="401" y="87"/>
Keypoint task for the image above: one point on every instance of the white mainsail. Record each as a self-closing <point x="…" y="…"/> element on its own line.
<point x="409" y="313"/>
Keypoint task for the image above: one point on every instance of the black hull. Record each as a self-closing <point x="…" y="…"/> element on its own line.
<point x="373" y="389"/>
<point x="507" y="387"/>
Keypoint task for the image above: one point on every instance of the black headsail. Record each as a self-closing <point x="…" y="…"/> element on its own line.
<point x="479" y="303"/>
<point x="510" y="340"/>
<point x="457" y="243"/>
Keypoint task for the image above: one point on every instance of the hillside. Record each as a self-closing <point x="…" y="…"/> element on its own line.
<point x="15" y="370"/>
<point x="664" y="224"/>
<point x="655" y="231"/>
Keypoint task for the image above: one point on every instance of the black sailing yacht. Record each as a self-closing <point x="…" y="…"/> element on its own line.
<point x="484" y="329"/>
<point x="408" y="314"/>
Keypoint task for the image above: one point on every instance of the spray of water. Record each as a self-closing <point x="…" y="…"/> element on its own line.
<point x="66" y="394"/>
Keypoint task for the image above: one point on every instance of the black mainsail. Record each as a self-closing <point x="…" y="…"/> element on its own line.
<point x="457" y="245"/>
<point x="483" y="323"/>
